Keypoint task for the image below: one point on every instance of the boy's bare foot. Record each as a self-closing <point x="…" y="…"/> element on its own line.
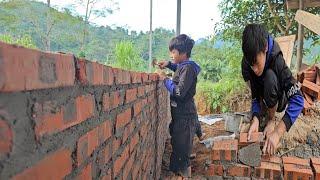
<point x="193" y="155"/>
<point x="202" y="137"/>
<point x="185" y="173"/>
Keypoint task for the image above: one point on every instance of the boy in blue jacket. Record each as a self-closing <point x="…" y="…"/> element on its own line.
<point x="272" y="85"/>
<point x="182" y="88"/>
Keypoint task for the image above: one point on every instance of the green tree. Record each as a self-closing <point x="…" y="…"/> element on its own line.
<point x="273" y="14"/>
<point x="93" y="9"/>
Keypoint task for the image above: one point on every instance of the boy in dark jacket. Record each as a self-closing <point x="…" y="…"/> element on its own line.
<point x="182" y="88"/>
<point x="272" y="85"/>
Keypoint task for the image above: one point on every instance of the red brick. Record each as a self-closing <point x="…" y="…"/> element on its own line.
<point x="153" y="77"/>
<point x="268" y="170"/>
<point x="105" y="131"/>
<point x="296" y="171"/>
<point x="308" y="98"/>
<point x="86" y="145"/>
<point x="145" y="77"/>
<point x="117" y="75"/>
<point x="121" y="76"/>
<point x="144" y="130"/>
<point x="214" y="170"/>
<point x="137" y="107"/>
<point x="118" y="164"/>
<point x="123" y="119"/>
<point x="316" y="167"/>
<point x="272" y="159"/>
<point x="310" y="75"/>
<point x="126" y="77"/>
<point x="106" y="102"/>
<point x="107" y="153"/>
<point x="141" y="91"/>
<point x="90" y="73"/>
<point x="225" y="150"/>
<point x="311" y="88"/>
<point x="108" y="77"/>
<point x="145" y="101"/>
<point x="54" y="166"/>
<point x="255" y="137"/>
<point x="125" y="134"/>
<point x="86" y="173"/>
<point x="6" y="137"/>
<point x="134" y="141"/>
<point x="82" y="149"/>
<point x="135" y="171"/>
<point x="85" y="107"/>
<point x="97" y="73"/>
<point x="115" y="145"/>
<point x="50" y="119"/>
<point x="238" y="170"/>
<point x="116" y="99"/>
<point x="135" y="77"/>
<point x="47" y="122"/>
<point x="111" y="100"/>
<point x="131" y="95"/>
<point x="295" y="160"/>
<point x="128" y="167"/>
<point x="107" y="176"/>
<point x="93" y="140"/>
<point x="28" y="69"/>
<point x="306" y="108"/>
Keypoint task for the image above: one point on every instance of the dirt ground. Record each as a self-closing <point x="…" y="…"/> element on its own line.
<point x="303" y="140"/>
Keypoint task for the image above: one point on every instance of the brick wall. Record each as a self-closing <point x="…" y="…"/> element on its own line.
<point x="63" y="117"/>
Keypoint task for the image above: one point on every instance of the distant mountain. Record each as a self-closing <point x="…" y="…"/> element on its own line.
<point x="21" y="17"/>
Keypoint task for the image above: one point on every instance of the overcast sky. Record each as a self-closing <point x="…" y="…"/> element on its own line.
<point x="197" y="16"/>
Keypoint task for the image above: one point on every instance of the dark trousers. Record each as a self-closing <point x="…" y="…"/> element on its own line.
<point x="182" y="131"/>
<point x="272" y="95"/>
<point x="198" y="128"/>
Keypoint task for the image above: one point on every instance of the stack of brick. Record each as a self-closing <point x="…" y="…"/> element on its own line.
<point x="310" y="79"/>
<point x="68" y="118"/>
<point x="296" y="168"/>
<point x="315" y="163"/>
<point x="225" y="163"/>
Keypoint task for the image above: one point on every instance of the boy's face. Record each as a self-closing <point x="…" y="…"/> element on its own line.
<point x="177" y="57"/>
<point x="258" y="67"/>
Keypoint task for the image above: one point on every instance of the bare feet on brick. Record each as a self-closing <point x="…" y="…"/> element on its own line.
<point x="201" y="138"/>
<point x="193" y="155"/>
<point x="185" y="173"/>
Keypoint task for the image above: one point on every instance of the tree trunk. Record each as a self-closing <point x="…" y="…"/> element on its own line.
<point x="85" y="26"/>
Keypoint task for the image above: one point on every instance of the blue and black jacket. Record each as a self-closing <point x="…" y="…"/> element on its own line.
<point x="287" y="84"/>
<point x="182" y="88"/>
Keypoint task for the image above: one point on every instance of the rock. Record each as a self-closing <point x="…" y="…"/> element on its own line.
<point x="250" y="155"/>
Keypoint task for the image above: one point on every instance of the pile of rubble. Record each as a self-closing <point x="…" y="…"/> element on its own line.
<point x="310" y="80"/>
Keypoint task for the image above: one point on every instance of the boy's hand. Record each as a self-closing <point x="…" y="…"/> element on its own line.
<point x="272" y="142"/>
<point x="254" y="127"/>
<point x="161" y="74"/>
<point x="163" y="64"/>
<point x="269" y="128"/>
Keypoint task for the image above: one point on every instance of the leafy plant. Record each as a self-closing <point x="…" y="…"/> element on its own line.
<point x="127" y="57"/>
<point x="25" y="40"/>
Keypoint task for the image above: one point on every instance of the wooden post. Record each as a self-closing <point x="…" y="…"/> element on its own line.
<point x="300" y="40"/>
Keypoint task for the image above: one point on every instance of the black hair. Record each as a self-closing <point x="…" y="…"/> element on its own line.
<point x="254" y="41"/>
<point x="182" y="43"/>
